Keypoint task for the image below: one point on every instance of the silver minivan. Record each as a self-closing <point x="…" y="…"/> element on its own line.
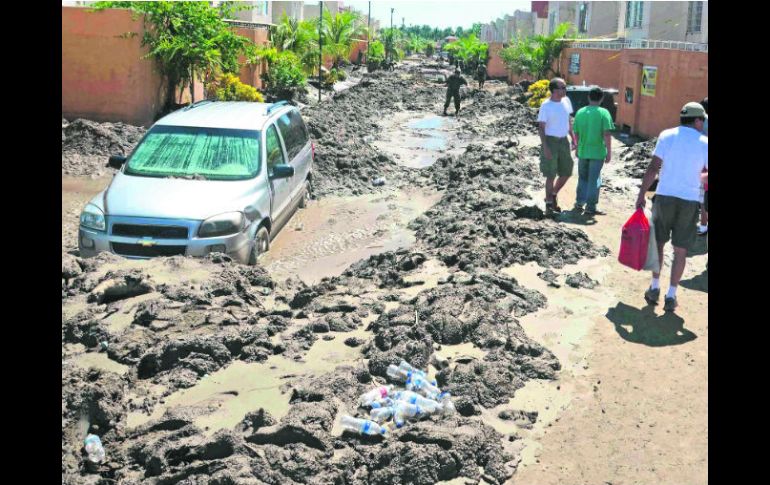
<point x="212" y="177"/>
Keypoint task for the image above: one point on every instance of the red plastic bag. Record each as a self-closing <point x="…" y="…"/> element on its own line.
<point x="634" y="241"/>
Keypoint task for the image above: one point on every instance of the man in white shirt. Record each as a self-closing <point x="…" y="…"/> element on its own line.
<point x="555" y="159"/>
<point x="680" y="155"/>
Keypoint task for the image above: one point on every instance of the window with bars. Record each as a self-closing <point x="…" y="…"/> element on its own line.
<point x="694" y="17"/>
<point x="583" y="19"/>
<point x="634" y="14"/>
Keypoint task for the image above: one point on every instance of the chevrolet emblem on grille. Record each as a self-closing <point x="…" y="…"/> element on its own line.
<point x="147" y="242"/>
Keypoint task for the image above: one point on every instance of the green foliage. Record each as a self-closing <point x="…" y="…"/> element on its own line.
<point x="536" y="55"/>
<point x="285" y="76"/>
<point x="376" y="51"/>
<point x="469" y="50"/>
<point x="229" y="88"/>
<point x="539" y="92"/>
<point x="189" y="39"/>
<point x="429" y="49"/>
<point x="394" y="43"/>
<point x="338" y="35"/>
<point x="334" y="75"/>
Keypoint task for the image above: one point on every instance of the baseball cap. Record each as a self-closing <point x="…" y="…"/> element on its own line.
<point x="693" y="110"/>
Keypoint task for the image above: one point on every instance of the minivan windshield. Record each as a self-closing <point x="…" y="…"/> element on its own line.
<point x="197" y="152"/>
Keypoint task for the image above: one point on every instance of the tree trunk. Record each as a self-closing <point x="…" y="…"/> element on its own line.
<point x="192" y="85"/>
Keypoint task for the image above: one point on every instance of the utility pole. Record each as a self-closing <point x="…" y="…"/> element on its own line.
<point x="368" y="32"/>
<point x="320" y="47"/>
<point x="392" y="36"/>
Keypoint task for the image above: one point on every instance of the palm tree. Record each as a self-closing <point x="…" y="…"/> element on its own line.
<point x="338" y="34"/>
<point x="536" y="55"/>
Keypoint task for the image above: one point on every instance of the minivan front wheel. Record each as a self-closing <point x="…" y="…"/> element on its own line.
<point x="305" y="197"/>
<point x="260" y="246"/>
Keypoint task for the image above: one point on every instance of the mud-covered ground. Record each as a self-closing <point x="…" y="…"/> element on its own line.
<point x="206" y="371"/>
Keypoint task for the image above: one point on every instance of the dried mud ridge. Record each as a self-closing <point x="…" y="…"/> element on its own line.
<point x="637" y="158"/>
<point x="86" y="145"/>
<point x="169" y="333"/>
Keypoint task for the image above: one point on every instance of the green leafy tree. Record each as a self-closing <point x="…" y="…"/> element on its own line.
<point x="339" y="32"/>
<point x="536" y="55"/>
<point x="285" y="76"/>
<point x="189" y="40"/>
<point x="469" y="50"/>
<point x="393" y="42"/>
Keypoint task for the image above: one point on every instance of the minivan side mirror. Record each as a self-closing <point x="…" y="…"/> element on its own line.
<point x="282" y="171"/>
<point x="116" y="161"/>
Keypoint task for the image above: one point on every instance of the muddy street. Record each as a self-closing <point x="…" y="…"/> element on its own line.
<point x="208" y="371"/>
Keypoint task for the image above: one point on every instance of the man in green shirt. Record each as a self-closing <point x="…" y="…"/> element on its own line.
<point x="594" y="148"/>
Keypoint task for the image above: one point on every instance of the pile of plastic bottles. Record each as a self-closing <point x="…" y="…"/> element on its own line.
<point x="421" y="397"/>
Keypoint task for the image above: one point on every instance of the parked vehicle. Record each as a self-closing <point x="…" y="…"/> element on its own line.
<point x="212" y="177"/>
<point x="578" y="96"/>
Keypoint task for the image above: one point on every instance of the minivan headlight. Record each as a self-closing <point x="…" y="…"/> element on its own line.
<point x="222" y="225"/>
<point x="93" y="218"/>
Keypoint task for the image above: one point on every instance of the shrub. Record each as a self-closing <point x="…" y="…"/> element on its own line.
<point x="284" y="77"/>
<point x="539" y="92"/>
<point x="228" y="87"/>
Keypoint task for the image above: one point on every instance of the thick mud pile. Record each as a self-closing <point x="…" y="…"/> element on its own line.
<point x="637" y="158"/>
<point x="86" y="145"/>
<point x="497" y="114"/>
<point x="343" y="129"/>
<point x="485" y="219"/>
<point x="162" y="330"/>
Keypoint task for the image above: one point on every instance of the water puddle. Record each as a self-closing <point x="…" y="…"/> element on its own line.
<point x="99" y="361"/>
<point x="331" y="234"/>
<point x="222" y="399"/>
<point x="418" y="143"/>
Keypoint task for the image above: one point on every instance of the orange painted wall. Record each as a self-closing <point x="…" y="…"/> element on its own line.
<point x="252" y="74"/>
<point x="358" y="46"/>
<point x="103" y="77"/>
<point x="682" y="77"/>
<point x="597" y="66"/>
<point x="495" y="66"/>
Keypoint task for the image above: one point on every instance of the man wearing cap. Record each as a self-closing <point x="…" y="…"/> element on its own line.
<point x="680" y="156"/>
<point x="592" y="129"/>
<point x="554" y="123"/>
<point x="453" y="83"/>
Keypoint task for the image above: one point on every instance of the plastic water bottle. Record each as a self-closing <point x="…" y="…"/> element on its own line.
<point x="396" y="373"/>
<point x="375" y="395"/>
<point x="420" y="384"/>
<point x="447" y="406"/>
<point x="405" y="410"/>
<point x="94" y="448"/>
<point x="380" y="415"/>
<point x="413" y="371"/>
<point x="362" y="426"/>
<point x="427" y="406"/>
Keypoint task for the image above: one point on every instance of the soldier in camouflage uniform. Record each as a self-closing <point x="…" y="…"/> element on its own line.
<point x="453" y="83"/>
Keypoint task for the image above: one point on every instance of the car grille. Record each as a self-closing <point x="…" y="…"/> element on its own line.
<point x="155" y="232"/>
<point x="147" y="251"/>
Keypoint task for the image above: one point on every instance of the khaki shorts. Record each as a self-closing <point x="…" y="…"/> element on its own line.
<point x="561" y="164"/>
<point x="675" y="219"/>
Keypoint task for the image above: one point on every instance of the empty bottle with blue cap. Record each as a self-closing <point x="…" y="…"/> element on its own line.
<point x="362" y="426"/>
<point x="428" y="406"/>
<point x="403" y="410"/>
<point x="94" y="448"/>
<point x="421" y="385"/>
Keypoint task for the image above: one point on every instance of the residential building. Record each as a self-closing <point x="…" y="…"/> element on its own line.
<point x="293" y="10"/>
<point x="597" y="19"/>
<point x="675" y="21"/>
<point x="259" y="13"/>
<point x="508" y="27"/>
<point x="310" y="12"/>
<point x="540" y="19"/>
<point x="560" y="12"/>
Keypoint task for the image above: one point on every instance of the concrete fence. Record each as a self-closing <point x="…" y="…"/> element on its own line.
<point x="652" y="84"/>
<point x="105" y="76"/>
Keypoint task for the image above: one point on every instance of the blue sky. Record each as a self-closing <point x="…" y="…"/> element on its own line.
<point x="444" y="13"/>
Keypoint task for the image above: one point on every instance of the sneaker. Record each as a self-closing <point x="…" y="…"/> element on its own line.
<point x="556" y="207"/>
<point x="578" y="208"/>
<point x="670" y="304"/>
<point x="652" y="296"/>
<point x="703" y="230"/>
<point x="595" y="212"/>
